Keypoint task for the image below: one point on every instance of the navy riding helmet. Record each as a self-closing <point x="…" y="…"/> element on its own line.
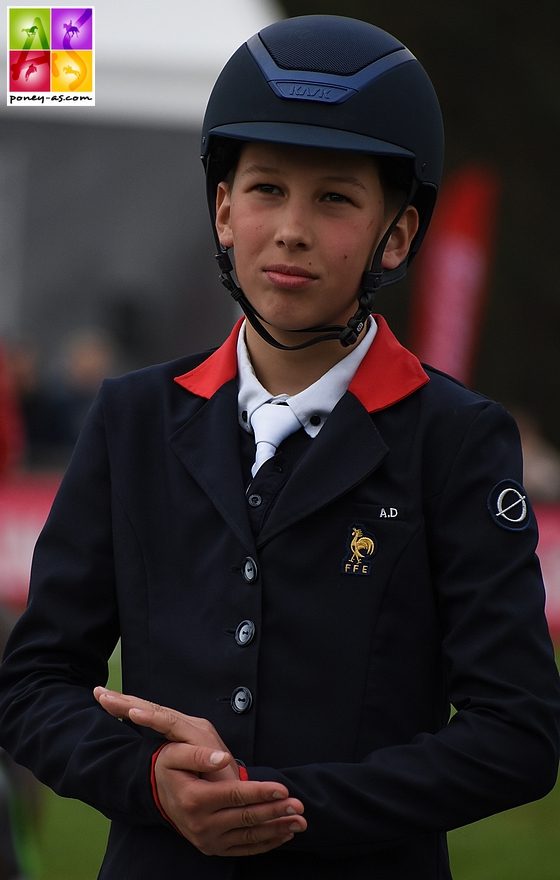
<point x="331" y="82"/>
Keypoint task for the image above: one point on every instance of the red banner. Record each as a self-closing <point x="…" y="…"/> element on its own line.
<point x="548" y="516"/>
<point x="11" y="429"/>
<point x="25" y="503"/>
<point x="451" y="276"/>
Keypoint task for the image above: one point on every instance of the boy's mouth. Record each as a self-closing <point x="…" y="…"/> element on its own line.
<point x="284" y="275"/>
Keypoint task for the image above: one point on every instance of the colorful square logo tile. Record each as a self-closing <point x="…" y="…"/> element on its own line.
<point x="29" y="72"/>
<point x="50" y="56"/>
<point x="72" y="72"/>
<point x="30" y="28"/>
<point x="71" y="28"/>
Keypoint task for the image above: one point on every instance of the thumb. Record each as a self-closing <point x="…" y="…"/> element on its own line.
<point x="195" y="759"/>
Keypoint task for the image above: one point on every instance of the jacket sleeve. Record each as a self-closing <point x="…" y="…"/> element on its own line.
<point x="500" y="748"/>
<point x="59" y="650"/>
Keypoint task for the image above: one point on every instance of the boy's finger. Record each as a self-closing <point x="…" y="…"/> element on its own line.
<point x="171" y="724"/>
<point x="115" y="702"/>
<point x="193" y="759"/>
<point x="160" y="718"/>
<point x="174" y="725"/>
<point x="236" y="797"/>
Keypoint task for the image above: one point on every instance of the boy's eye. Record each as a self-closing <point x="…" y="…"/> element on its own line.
<point x="335" y="197"/>
<point x="267" y="188"/>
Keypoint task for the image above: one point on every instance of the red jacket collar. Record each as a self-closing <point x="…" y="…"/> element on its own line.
<point x="387" y="374"/>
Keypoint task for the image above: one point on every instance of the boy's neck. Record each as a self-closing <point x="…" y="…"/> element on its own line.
<point x="289" y="372"/>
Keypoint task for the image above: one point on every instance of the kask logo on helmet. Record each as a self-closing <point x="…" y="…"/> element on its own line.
<point x="309" y="92"/>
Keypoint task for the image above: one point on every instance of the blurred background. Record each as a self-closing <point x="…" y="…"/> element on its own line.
<point x="106" y="265"/>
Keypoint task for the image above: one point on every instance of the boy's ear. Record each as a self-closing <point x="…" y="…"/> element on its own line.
<point x="223" y="206"/>
<point x="398" y="246"/>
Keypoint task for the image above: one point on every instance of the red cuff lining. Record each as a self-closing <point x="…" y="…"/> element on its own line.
<point x="155" y="794"/>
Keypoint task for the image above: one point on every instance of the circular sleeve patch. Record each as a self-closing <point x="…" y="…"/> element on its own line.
<point x="509" y="506"/>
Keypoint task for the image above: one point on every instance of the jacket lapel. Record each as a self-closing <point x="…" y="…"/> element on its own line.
<point x="207" y="444"/>
<point x="314" y="481"/>
<point x="387" y="374"/>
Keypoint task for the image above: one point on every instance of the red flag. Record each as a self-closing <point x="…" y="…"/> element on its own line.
<point x="451" y="279"/>
<point x="11" y="430"/>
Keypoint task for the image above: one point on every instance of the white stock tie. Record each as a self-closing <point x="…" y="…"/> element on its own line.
<point x="271" y="423"/>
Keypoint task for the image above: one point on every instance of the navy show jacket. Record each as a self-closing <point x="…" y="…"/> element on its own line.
<point x="393" y="578"/>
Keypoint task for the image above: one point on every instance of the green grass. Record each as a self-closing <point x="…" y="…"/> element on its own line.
<point x="521" y="843"/>
<point x="71" y="840"/>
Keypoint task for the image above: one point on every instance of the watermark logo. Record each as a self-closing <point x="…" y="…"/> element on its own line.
<point x="50" y="56"/>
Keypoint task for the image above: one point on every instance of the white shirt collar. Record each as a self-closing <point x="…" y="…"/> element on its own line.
<point x="315" y="403"/>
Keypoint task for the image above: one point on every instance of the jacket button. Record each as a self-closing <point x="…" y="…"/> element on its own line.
<point x="241" y="700"/>
<point x="245" y="633"/>
<point x="254" y="500"/>
<point x="250" y="570"/>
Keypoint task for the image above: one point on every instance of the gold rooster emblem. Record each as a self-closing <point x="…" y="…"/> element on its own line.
<point x="360" y="545"/>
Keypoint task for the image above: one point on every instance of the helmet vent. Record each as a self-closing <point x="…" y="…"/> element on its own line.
<point x="337" y="46"/>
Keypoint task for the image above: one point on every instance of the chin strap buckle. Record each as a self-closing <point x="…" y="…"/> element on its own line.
<point x="226" y="268"/>
<point x="354" y="327"/>
<point x="371" y="281"/>
<point x="223" y="261"/>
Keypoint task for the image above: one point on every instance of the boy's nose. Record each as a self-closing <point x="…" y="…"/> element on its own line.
<point x="293" y="230"/>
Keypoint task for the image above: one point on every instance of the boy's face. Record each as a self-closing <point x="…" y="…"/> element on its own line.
<point x="303" y="224"/>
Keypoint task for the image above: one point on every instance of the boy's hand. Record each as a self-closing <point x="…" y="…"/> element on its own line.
<point x="225" y="818"/>
<point x="199" y="789"/>
<point x="175" y="726"/>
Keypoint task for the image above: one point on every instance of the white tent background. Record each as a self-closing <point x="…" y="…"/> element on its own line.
<point x="161" y="60"/>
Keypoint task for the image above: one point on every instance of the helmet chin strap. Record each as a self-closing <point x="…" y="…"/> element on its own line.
<point x="347" y="335"/>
